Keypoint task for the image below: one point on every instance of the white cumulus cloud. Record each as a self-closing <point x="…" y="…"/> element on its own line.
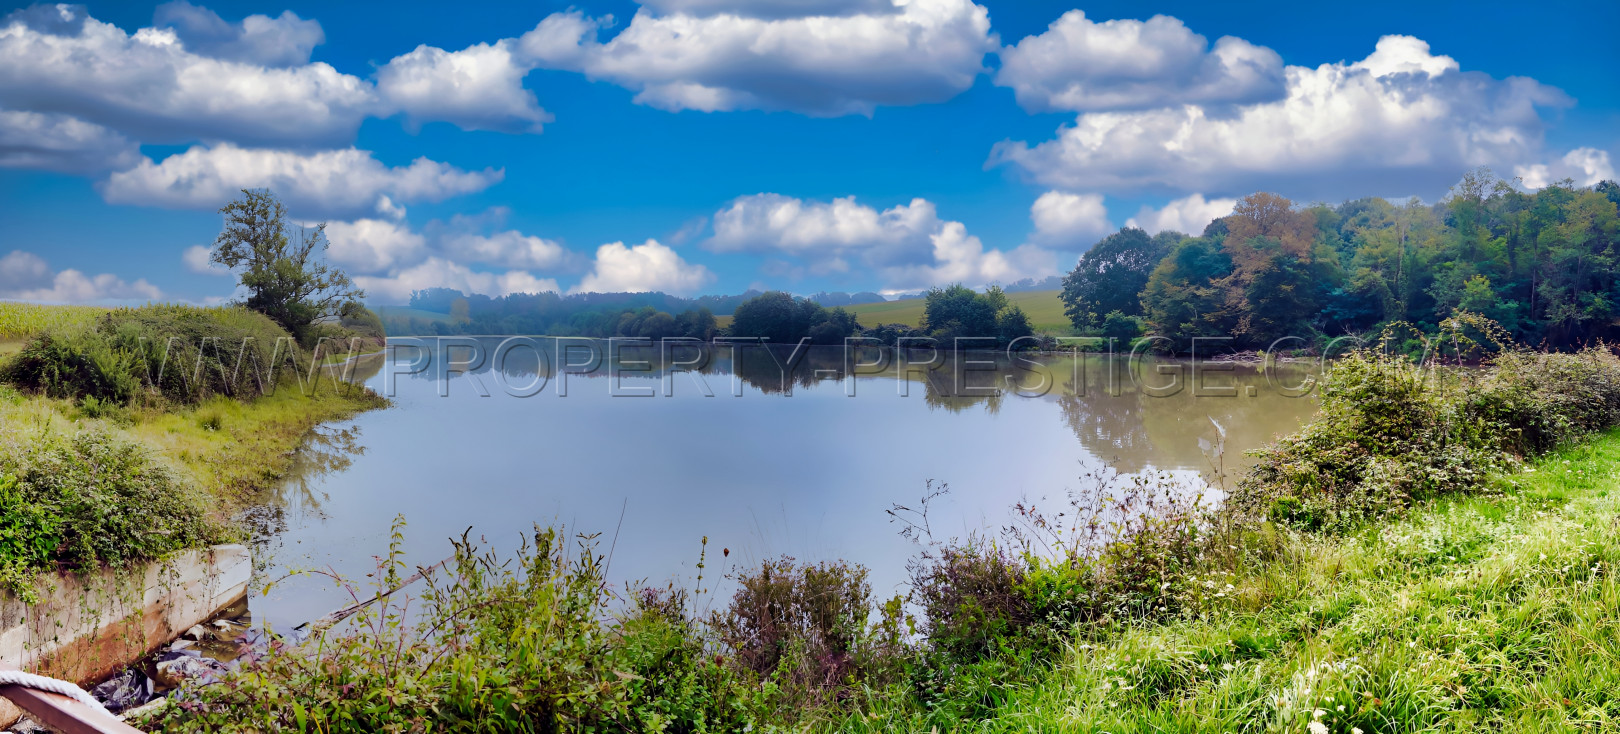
<point x="772" y="8"/>
<point x="25" y="276"/>
<point x="195" y="258"/>
<point x="435" y="272"/>
<point x="1402" y="118"/>
<point x="1187" y="215"/>
<point x="57" y="142"/>
<point x="510" y="248"/>
<point x="826" y="233"/>
<point x="390" y="259"/>
<point x="477" y="88"/>
<point x="285" y="40"/>
<point x="917" y="52"/>
<point x="1585" y="166"/>
<point x="373" y="245"/>
<point x="151" y="87"/>
<point x="19" y="269"/>
<point x="1069" y="221"/>
<point x="909" y="246"/>
<point x="962" y="258"/>
<point x="649" y="266"/>
<point x="1079" y="64"/>
<point x="333" y="183"/>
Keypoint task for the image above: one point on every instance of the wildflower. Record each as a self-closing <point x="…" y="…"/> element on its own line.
<point x="1355" y="730"/>
<point x="1317" y="727"/>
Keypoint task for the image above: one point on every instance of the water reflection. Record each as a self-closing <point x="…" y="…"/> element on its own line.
<point x="765" y="450"/>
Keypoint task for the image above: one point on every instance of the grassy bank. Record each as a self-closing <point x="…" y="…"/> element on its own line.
<point x="1495" y="611"/>
<point x="1433" y="553"/>
<point x="105" y="464"/>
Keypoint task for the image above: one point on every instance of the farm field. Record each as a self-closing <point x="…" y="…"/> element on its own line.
<point x="18" y="321"/>
<point x="1044" y="308"/>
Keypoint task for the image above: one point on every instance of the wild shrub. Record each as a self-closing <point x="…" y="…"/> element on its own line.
<point x="29" y="535"/>
<point x="972" y="596"/>
<point x="172" y="353"/>
<point x="1391" y="431"/>
<point x="1119" y="550"/>
<point x="83" y="501"/>
<point x="1539" y="400"/>
<point x="809" y="628"/>
<point x="527" y="644"/>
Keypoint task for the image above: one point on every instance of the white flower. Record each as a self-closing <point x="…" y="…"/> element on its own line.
<point x="1317" y="727"/>
<point x="1355" y="730"/>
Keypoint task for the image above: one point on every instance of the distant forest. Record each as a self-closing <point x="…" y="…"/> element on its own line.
<point x="448" y="311"/>
<point x="1544" y="265"/>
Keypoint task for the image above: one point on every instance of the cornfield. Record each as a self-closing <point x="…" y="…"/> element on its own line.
<point x="22" y="320"/>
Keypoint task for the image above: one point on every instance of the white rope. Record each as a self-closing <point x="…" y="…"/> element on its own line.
<point x="51" y="685"/>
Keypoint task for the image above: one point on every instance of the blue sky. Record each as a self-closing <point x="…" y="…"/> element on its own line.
<point x="709" y="146"/>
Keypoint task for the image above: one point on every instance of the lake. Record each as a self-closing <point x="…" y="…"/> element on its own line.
<point x="765" y="451"/>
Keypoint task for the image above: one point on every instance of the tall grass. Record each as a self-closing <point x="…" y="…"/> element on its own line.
<point x="22" y="320"/>
<point x="172" y="353"/>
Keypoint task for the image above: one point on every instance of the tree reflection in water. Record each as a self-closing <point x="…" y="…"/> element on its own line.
<point x="296" y="497"/>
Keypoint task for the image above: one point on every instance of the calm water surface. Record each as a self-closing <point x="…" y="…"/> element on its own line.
<point x="762" y="465"/>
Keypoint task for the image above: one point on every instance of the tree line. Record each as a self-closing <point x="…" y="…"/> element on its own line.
<point x="1541" y="264"/>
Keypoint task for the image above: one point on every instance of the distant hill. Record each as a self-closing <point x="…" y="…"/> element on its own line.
<point x="829" y="300"/>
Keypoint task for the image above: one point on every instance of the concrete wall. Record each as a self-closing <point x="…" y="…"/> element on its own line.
<point x="85" y="627"/>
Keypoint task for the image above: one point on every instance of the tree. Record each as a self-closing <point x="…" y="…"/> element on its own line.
<point x="1182" y="297"/>
<point x="1111" y="275"/>
<point x="781" y="318"/>
<point x="1125" y="328"/>
<point x="279" y="267"/>
<point x="956" y="311"/>
<point x="1012" y="324"/>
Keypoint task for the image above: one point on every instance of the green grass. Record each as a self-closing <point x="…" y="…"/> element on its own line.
<point x="1044" y="308"/>
<point x="1473" y="613"/>
<point x="228" y="448"/>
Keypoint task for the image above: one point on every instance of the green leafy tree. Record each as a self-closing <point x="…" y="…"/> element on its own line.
<point x="280" y="267"/>
<point x="1121" y="326"/>
<point x="1013" y="324"/>
<point x="957" y="311"/>
<point x="1183" y="298"/>
<point x="1111" y="275"/>
<point x="779" y="317"/>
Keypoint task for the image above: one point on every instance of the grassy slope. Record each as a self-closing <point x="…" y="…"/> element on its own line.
<point x="232" y="449"/>
<point x="1472" y="613"/>
<point x="18" y="321"/>
<point x="1044" y="309"/>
